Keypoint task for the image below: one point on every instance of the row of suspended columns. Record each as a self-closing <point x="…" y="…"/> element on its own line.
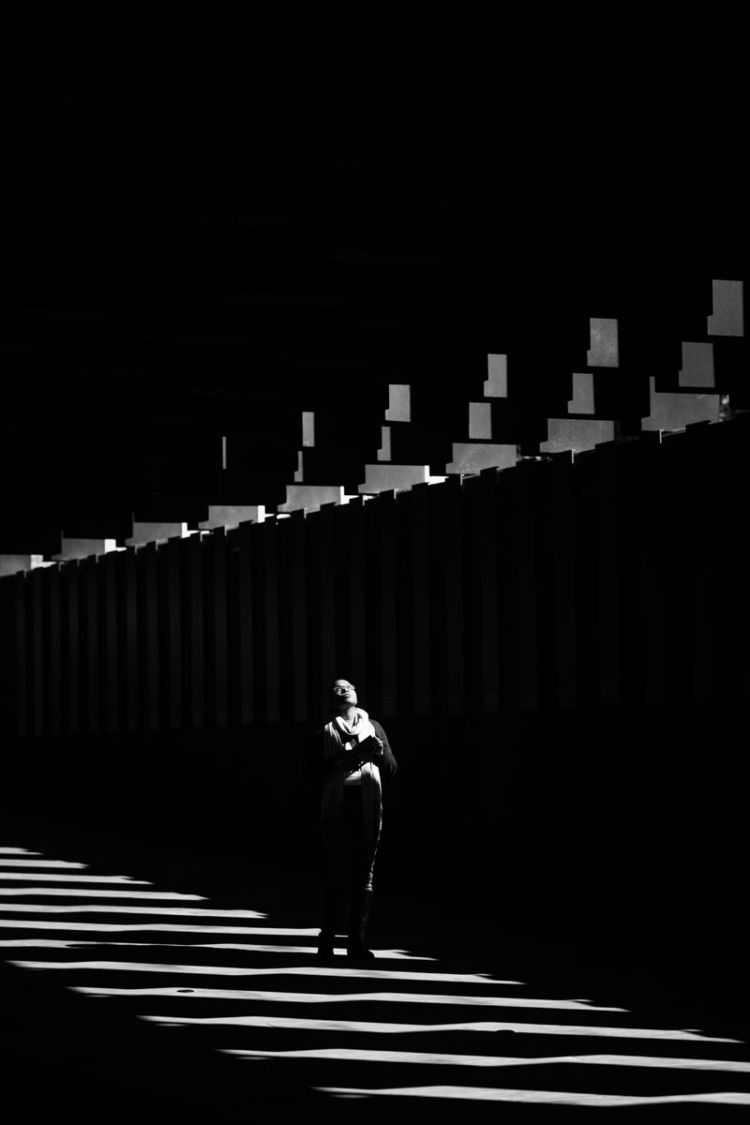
<point x="617" y="577"/>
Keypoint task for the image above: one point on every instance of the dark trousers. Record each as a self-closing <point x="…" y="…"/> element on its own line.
<point x="349" y="866"/>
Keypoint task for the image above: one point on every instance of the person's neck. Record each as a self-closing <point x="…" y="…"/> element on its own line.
<point x="348" y="713"/>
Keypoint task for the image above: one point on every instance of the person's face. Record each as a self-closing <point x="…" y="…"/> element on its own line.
<point x="344" y="693"/>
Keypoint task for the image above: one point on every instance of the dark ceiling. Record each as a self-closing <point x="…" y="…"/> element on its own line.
<point x="212" y="222"/>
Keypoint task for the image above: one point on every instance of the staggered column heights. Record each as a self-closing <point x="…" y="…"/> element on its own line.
<point x="462" y="411"/>
<point x="439" y="543"/>
<point x="597" y="581"/>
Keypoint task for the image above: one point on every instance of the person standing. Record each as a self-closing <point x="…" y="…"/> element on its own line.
<point x="354" y="750"/>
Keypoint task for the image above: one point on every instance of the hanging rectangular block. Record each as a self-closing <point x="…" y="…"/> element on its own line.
<point x="399" y="403"/>
<point x="496" y="383"/>
<point x="311" y="497"/>
<point x="152" y="532"/>
<point x="14" y="564"/>
<point x="604" y="347"/>
<point x="728" y="317"/>
<point x="575" y="435"/>
<point x="582" y="401"/>
<point x="472" y="457"/>
<point x="232" y="515"/>
<point x="384" y="453"/>
<point x="388" y="478"/>
<point x="308" y="429"/>
<point x="673" y="410"/>
<point x="299" y="474"/>
<point x="480" y="421"/>
<point x="697" y="365"/>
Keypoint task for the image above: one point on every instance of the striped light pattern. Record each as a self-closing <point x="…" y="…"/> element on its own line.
<point x="376" y="1028"/>
<point x="424" y="1058"/>
<point x="538" y="1097"/>
<point x="37" y="877"/>
<point x="286" y="997"/>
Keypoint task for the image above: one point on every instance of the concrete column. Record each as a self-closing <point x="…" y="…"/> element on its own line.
<point x="448" y="503"/>
<point x="132" y="688"/>
<point x="295" y="545"/>
<point x="108" y="577"/>
<point x="90" y="635"/>
<point x="385" y="530"/>
<point x="54" y="650"/>
<point x="607" y="514"/>
<point x="246" y="623"/>
<point x="22" y="654"/>
<point x="487" y="538"/>
<point x="561" y="528"/>
<point x="420" y="600"/>
<point x="72" y="646"/>
<point x="196" y="687"/>
<point x="149" y="635"/>
<point x="353" y="520"/>
<point x="216" y="559"/>
<point x="327" y="595"/>
<point x="650" y="534"/>
<point x="171" y="558"/>
<point x="525" y="517"/>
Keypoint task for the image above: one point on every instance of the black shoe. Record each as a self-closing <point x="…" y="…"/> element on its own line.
<point x="358" y="951"/>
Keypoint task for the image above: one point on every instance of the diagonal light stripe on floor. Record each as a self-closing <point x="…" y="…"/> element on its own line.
<point x="369" y="1027"/>
<point x="183" y="911"/>
<point x="88" y="892"/>
<point x="294" y="970"/>
<point x="56" y="877"/>
<point x="31" y="864"/>
<point x="538" y="1097"/>
<point x="421" y="1058"/>
<point x="284" y="997"/>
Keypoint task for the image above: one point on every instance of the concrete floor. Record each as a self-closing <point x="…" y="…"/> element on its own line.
<point x="480" y="1000"/>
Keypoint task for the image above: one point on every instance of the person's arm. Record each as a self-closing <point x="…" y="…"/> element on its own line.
<point x="386" y="757"/>
<point x="366" y="751"/>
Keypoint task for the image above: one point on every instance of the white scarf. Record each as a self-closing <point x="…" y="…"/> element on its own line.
<point x="356" y="731"/>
